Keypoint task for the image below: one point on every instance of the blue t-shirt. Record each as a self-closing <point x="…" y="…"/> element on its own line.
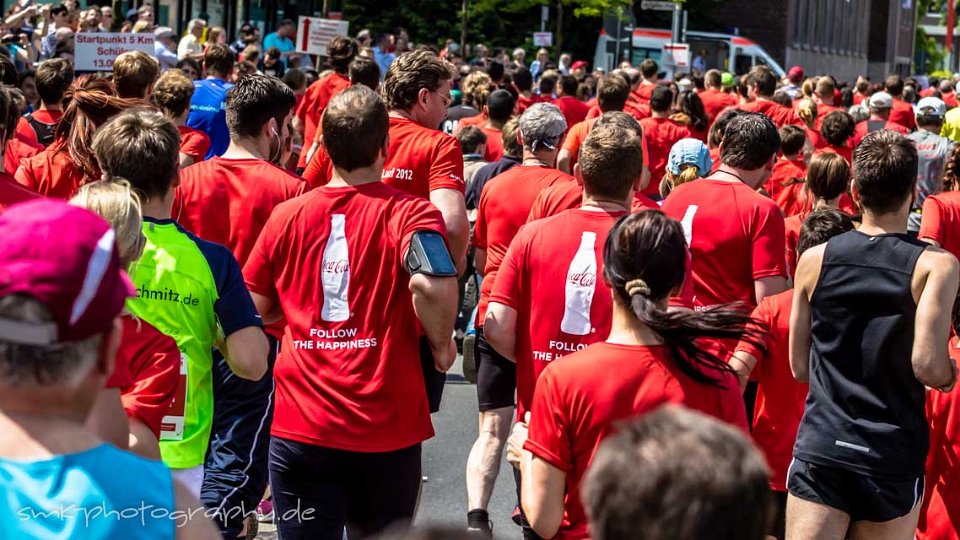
<point x="100" y="493"/>
<point x="285" y="44"/>
<point x="208" y="113"/>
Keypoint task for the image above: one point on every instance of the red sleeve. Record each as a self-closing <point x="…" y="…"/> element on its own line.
<point x="575" y="138"/>
<point x="446" y="170"/>
<point x="195" y="144"/>
<point x="320" y="169"/>
<point x="764" y="315"/>
<point x="420" y="215"/>
<point x="258" y="272"/>
<point x="538" y="209"/>
<point x="549" y="437"/>
<point x="508" y="286"/>
<point x="25" y="177"/>
<point x="156" y="372"/>
<point x="931" y="226"/>
<point x="768" y="243"/>
<point x="480" y="226"/>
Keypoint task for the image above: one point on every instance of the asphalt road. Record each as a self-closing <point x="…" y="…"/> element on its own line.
<point x="444" y="500"/>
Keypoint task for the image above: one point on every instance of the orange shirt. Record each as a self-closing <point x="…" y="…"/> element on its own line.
<point x="52" y="173"/>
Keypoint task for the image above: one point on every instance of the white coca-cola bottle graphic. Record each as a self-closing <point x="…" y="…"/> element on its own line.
<point x="335" y="272"/>
<point x="579" y="287"/>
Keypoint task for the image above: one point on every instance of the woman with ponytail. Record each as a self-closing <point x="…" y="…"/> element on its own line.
<point x="828" y="179"/>
<point x="69" y="162"/>
<point x="654" y="354"/>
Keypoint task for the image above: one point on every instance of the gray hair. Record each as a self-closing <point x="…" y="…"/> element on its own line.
<point x="542" y="125"/>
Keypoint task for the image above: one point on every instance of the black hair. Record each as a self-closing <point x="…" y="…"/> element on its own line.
<point x="523" y="79"/>
<point x="253" y="101"/>
<point x="690" y="103"/>
<point x="821" y="226"/>
<point x="500" y="104"/>
<point x="661" y="98"/>
<point x="644" y="262"/>
<point x="749" y="141"/>
<point x="837" y="128"/>
<point x="792" y="139"/>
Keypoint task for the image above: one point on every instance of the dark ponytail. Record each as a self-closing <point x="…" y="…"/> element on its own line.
<point x="645" y="260"/>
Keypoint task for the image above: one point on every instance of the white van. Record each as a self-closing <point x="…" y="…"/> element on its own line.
<point x="726" y="52"/>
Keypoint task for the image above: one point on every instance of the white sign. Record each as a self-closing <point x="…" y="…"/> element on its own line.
<point x="544" y="13"/>
<point x="543" y="39"/>
<point x="96" y="51"/>
<point x="658" y="6"/>
<point x="676" y="55"/>
<point x="314" y="34"/>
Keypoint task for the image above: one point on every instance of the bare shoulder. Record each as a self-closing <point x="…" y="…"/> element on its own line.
<point x="938" y="261"/>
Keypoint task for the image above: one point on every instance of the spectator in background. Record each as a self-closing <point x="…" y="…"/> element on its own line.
<point x="54" y="77"/>
<point x="283" y="40"/>
<point x="27" y="83"/>
<point x="518" y="59"/>
<point x="792" y="82"/>
<point x="208" y="105"/>
<point x="272" y="63"/>
<point x="172" y="93"/>
<point x="382" y="52"/>
<point x="106" y="18"/>
<point x="248" y="34"/>
<point x="164" y="47"/>
<point x="189" y="46"/>
<point x="563" y="64"/>
<point x="60" y="15"/>
<point x="134" y="73"/>
<point x="678" y="474"/>
<point x="538" y="66"/>
<point x="217" y="34"/>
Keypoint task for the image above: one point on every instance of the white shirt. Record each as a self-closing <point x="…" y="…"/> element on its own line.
<point x="188" y="46"/>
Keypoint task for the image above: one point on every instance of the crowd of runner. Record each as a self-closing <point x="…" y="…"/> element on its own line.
<point x="231" y="286"/>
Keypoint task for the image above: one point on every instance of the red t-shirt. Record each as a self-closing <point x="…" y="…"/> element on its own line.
<point x="940" y="220"/>
<point x="16" y="151"/>
<point x="194" y="143"/>
<point x="715" y="101"/>
<point x="939" y="518"/>
<point x="822" y="111"/>
<point x="633" y="107"/>
<point x="12" y="193"/>
<point x="845" y="151"/>
<point x="861" y="130"/>
<point x="786" y="182"/>
<point x="780" y="115"/>
<point x="574" y="110"/>
<point x="477" y="120"/>
<point x="504" y="206"/>
<point x="902" y="113"/>
<point x="560" y="197"/>
<point x="25" y="131"/>
<point x="644" y="91"/>
<point x="780" y="398"/>
<point x="539" y="267"/>
<point x="579" y="401"/>
<point x="735" y="234"/>
<point x="494" y="147"/>
<point x="311" y="108"/>
<point x="659" y="135"/>
<point x="153" y="362"/>
<point x="52" y="173"/>
<point x="419" y="160"/>
<point x="349" y="374"/>
<point x="228" y="201"/>
<point x="575" y="137"/>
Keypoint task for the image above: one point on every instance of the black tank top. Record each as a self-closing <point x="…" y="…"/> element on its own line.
<point x="865" y="410"/>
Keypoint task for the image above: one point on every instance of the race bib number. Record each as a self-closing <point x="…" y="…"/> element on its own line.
<point x="171" y="427"/>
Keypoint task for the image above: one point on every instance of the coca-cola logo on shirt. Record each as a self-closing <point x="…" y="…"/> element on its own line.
<point x="338" y="266"/>
<point x="583" y="279"/>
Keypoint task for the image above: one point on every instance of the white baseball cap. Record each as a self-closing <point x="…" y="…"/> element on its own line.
<point x="880" y="100"/>
<point x="931" y="106"/>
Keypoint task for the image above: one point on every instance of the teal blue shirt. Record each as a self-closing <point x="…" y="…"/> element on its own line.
<point x="102" y="492"/>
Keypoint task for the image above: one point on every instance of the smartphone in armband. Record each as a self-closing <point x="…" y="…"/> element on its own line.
<point x="428" y="254"/>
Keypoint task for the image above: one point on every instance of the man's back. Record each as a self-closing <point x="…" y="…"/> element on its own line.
<point x="422" y="160"/>
<point x="208" y="113"/>
<point x="865" y="409"/>
<point x="659" y="136"/>
<point x="780" y="115"/>
<point x="350" y="376"/>
<point x="735" y="235"/>
<point x="866" y="127"/>
<point x="932" y="153"/>
<point x="88" y="494"/>
<point x="227" y="201"/>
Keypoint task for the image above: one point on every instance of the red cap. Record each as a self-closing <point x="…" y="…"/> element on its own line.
<point x="796" y="72"/>
<point x="66" y="258"/>
<point x="578" y="64"/>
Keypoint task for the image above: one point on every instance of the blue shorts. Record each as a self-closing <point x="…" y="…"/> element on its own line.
<point x="235" y="471"/>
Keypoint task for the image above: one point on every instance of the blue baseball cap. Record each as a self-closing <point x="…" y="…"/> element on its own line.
<point x="689" y="152"/>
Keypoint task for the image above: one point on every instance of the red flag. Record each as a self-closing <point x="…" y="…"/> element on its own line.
<point x="951" y="20"/>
